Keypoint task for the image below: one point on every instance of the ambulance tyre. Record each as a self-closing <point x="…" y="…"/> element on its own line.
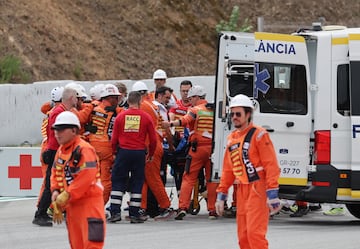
<point x="354" y="209"/>
<point x="192" y="209"/>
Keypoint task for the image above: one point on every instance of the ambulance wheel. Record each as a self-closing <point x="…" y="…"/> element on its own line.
<point x="354" y="209"/>
<point x="192" y="210"/>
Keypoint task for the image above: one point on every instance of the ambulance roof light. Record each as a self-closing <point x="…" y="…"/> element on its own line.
<point x="316" y="26"/>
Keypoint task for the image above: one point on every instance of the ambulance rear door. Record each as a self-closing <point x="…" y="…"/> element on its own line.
<point x="354" y="70"/>
<point x="283" y="103"/>
<point x="234" y="75"/>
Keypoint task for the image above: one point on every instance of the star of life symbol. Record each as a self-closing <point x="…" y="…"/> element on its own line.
<point x="260" y="84"/>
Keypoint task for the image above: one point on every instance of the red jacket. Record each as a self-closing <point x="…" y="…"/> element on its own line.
<point x="131" y="129"/>
<point x="52" y="142"/>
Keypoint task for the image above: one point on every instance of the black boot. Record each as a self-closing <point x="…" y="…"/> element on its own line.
<point x="42" y="220"/>
<point x="300" y="212"/>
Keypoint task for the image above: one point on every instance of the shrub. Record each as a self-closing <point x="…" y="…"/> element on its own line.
<point x="232" y="24"/>
<point x="78" y="70"/>
<point x="9" y="68"/>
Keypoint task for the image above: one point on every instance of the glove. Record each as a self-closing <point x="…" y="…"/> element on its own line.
<point x="62" y="199"/>
<point x="273" y="200"/>
<point x="57" y="215"/>
<point x="220" y="203"/>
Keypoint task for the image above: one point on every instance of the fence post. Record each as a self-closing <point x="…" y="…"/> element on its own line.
<point x="260" y="24"/>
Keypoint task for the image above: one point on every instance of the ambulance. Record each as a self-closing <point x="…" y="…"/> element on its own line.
<point x="306" y="91"/>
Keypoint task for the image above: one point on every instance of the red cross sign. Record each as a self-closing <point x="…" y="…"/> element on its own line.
<point x="25" y="172"/>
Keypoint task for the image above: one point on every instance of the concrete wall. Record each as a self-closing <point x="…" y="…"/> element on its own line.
<point x="21" y="118"/>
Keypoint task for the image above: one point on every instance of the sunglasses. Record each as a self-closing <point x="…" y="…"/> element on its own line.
<point x="142" y="92"/>
<point x="237" y="114"/>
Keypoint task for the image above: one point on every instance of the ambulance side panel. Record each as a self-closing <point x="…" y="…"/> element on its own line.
<point x="354" y="57"/>
<point x="340" y="117"/>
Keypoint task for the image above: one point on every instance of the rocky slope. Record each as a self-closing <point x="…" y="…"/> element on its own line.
<point x="129" y="39"/>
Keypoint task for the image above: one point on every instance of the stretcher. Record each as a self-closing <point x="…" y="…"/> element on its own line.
<point x="177" y="164"/>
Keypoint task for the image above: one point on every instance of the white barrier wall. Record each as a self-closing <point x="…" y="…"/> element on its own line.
<point x="21" y="118"/>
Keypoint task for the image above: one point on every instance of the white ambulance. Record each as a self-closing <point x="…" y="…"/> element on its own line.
<point x="306" y="91"/>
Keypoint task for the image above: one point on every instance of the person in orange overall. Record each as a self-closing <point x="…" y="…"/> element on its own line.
<point x="102" y="120"/>
<point x="152" y="168"/>
<point x="76" y="187"/>
<point x="95" y="94"/>
<point x="162" y="97"/>
<point x="200" y="121"/>
<point x="131" y="129"/>
<point x="230" y="212"/>
<point x="46" y="107"/>
<point x="56" y="94"/>
<point x="177" y="112"/>
<point x="250" y="161"/>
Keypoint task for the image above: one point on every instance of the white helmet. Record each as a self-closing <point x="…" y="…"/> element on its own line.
<point x="56" y="93"/>
<point x="196" y="91"/>
<point x="95" y="91"/>
<point x="80" y="90"/>
<point x="159" y="74"/>
<point x="109" y="90"/>
<point x="92" y="92"/>
<point x="139" y="86"/>
<point x="83" y="92"/>
<point x="241" y="100"/>
<point x="66" y="119"/>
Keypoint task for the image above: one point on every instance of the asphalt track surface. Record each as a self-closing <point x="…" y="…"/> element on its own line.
<point x="314" y="230"/>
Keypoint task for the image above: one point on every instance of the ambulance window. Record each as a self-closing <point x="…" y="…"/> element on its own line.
<point x="241" y="78"/>
<point x="240" y="85"/>
<point x="343" y="93"/>
<point x="282" y="77"/>
<point x="287" y="88"/>
<point x="354" y="74"/>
